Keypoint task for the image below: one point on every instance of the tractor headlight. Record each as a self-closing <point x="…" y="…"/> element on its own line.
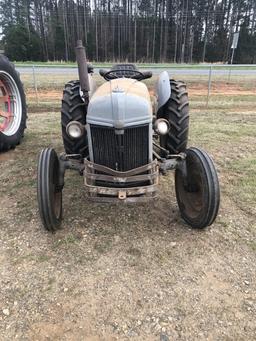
<point x="161" y="126"/>
<point x="75" y="129"/>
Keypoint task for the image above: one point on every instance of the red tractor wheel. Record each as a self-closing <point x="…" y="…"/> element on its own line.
<point x="13" y="112"/>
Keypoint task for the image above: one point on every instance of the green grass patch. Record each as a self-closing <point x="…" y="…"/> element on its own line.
<point x="66" y="241"/>
<point x="243" y="170"/>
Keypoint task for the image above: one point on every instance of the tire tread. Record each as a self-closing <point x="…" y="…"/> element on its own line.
<point x="73" y="109"/>
<point x="45" y="162"/>
<point x="176" y="112"/>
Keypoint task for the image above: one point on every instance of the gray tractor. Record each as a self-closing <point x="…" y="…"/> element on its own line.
<point x="121" y="142"/>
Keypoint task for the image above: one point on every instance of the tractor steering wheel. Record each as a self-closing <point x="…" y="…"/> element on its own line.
<point x="112" y="74"/>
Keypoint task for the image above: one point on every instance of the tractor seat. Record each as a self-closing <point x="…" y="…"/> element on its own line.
<point x="125" y="71"/>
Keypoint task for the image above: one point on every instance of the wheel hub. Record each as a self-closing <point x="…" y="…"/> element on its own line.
<point x="5" y="103"/>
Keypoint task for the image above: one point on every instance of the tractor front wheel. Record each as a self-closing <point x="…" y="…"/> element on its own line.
<point x="197" y="189"/>
<point x="49" y="193"/>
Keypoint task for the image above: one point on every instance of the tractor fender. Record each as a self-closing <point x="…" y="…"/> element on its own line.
<point x="93" y="86"/>
<point x="163" y="90"/>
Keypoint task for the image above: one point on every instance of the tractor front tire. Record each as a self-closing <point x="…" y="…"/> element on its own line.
<point x="176" y="112"/>
<point x="73" y="109"/>
<point x="197" y="189"/>
<point x="49" y="193"/>
<point x="13" y="110"/>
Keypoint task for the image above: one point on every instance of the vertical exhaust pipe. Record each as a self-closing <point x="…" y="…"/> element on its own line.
<point x="82" y="69"/>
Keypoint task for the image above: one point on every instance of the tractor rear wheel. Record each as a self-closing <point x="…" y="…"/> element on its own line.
<point x="49" y="193"/>
<point x="73" y="109"/>
<point x="13" y="111"/>
<point x="197" y="189"/>
<point x="176" y="112"/>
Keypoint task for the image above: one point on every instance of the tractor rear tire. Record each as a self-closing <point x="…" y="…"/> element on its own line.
<point x="13" y="110"/>
<point x="49" y="193"/>
<point x="176" y="112"/>
<point x="73" y="109"/>
<point x="198" y="192"/>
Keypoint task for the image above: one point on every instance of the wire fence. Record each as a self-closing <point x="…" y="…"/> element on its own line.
<point x="208" y="82"/>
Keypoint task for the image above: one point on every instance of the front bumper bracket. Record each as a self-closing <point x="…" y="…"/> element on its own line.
<point x="121" y="186"/>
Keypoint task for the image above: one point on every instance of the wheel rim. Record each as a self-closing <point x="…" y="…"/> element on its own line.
<point x="57" y="198"/>
<point x="10" y="105"/>
<point x="192" y="193"/>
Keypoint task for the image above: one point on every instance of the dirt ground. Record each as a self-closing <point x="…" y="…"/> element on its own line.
<point x="194" y="89"/>
<point x="138" y="272"/>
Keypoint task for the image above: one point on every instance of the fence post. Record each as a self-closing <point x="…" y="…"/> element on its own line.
<point x="229" y="73"/>
<point x="209" y="86"/>
<point x="35" y="84"/>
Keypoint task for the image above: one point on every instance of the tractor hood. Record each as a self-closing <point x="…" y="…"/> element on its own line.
<point x="120" y="103"/>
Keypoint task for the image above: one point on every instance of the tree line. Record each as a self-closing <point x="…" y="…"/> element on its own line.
<point x="129" y="30"/>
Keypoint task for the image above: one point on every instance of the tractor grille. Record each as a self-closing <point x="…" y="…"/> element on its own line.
<point x="120" y="152"/>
